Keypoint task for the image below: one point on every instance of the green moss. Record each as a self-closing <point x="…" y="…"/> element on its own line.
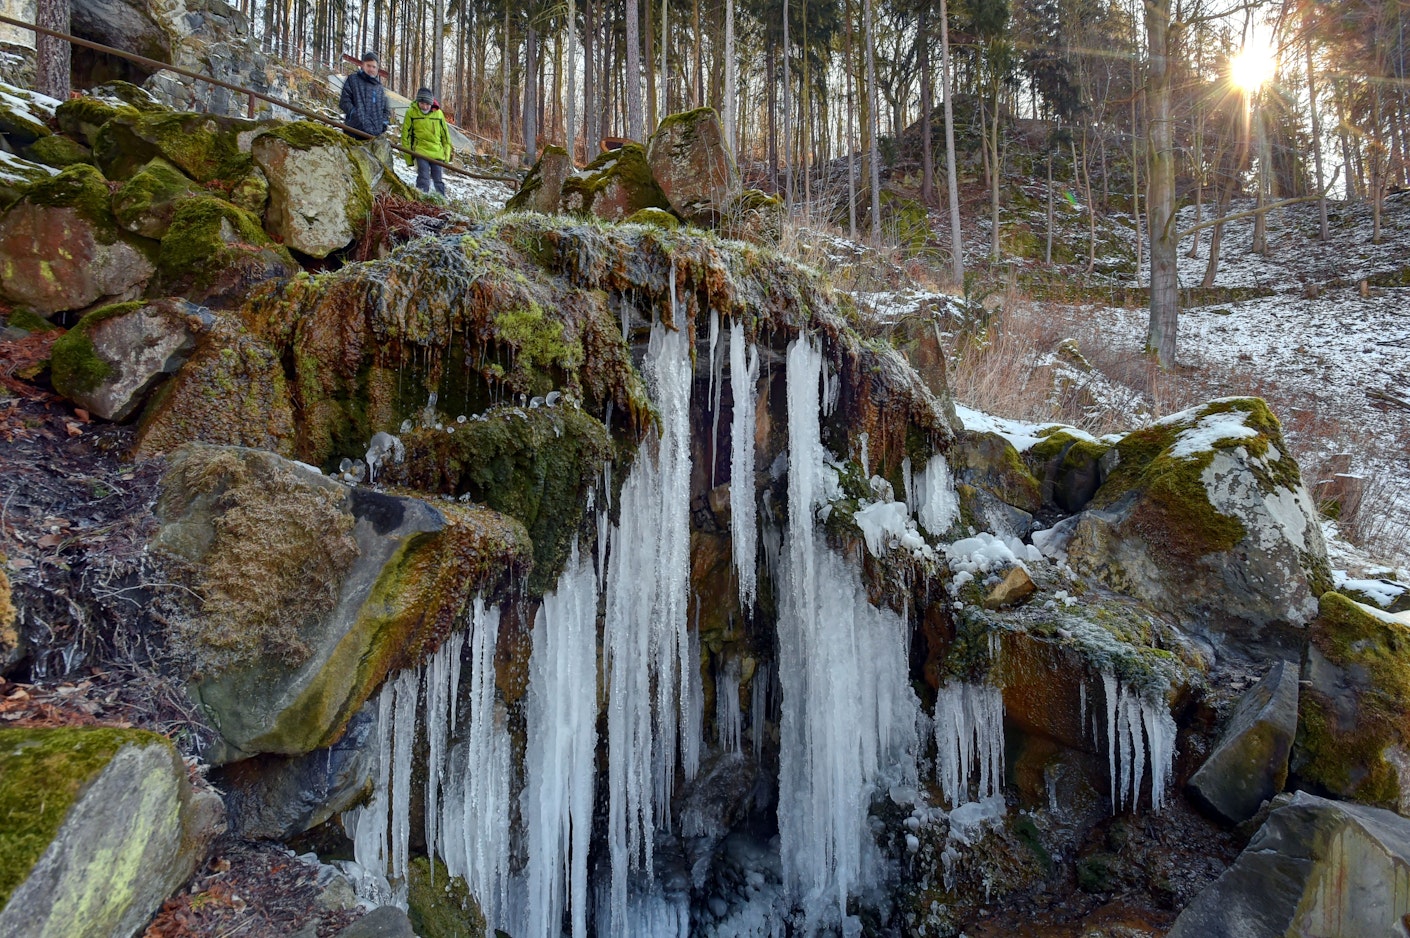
<point x="206" y="148"/>
<point x="146" y="203"/>
<point x="687" y="120"/>
<point x="29" y="321"/>
<point x="208" y="235"/>
<point x="82" y="117"/>
<point x="58" y="151"/>
<point x="905" y="219"/>
<point x="990" y="462"/>
<point x="1343" y="744"/>
<point x="538" y="343"/>
<point x="42" y="773"/>
<point x="308" y="135"/>
<point x="1094" y="873"/>
<point x="439" y="905"/>
<point x="74" y="362"/>
<point x="625" y="167"/>
<point x="654" y="216"/>
<point x="82" y="188"/>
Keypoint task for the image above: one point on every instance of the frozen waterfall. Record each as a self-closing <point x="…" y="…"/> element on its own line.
<point x="744" y="521"/>
<point x="848" y="715"/>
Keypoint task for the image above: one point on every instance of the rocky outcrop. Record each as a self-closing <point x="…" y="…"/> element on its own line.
<point x="114" y="356"/>
<point x="147" y="202"/>
<point x="693" y="166"/>
<point x="1204" y="515"/>
<point x="101" y="825"/>
<point x="542" y="189"/>
<point x="60" y="248"/>
<point x="1353" y="738"/>
<point x="278" y="665"/>
<point x="318" y="195"/>
<point x="1249" y="764"/>
<point x="1316" y="867"/>
<point x="614" y="186"/>
<point x="214" y="252"/>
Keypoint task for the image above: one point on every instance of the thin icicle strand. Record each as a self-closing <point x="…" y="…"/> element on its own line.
<point x="744" y="519"/>
<point x="1136" y="728"/>
<point x="442" y="678"/>
<point x="729" y="719"/>
<point x="561" y="717"/>
<point x="649" y="653"/>
<point x="403" y="746"/>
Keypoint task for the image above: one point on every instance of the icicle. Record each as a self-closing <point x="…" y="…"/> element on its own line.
<point x="1082" y="704"/>
<point x="717" y="380"/>
<point x="849" y="715"/>
<point x="1135" y="727"/>
<point x="1109" y="690"/>
<point x="969" y="741"/>
<point x="729" y="719"/>
<point x="863" y="439"/>
<point x="561" y="718"/>
<point x="759" y="708"/>
<point x="744" y="521"/>
<point x="909" y="483"/>
<point x="442" y="677"/>
<point x="403" y="746"/>
<point x="367" y="824"/>
<point x="937" y="504"/>
<point x="649" y="655"/>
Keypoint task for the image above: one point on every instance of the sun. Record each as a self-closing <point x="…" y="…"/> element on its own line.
<point x="1251" y="67"/>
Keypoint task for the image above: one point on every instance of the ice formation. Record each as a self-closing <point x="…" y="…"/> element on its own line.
<point x="744" y="521"/>
<point x="729" y="719"/>
<point x="936" y="504"/>
<point x="1136" y="727"/>
<point x="969" y="741"/>
<point x="849" y="715"/>
<point x="654" y="718"/>
<point x="561" y="737"/>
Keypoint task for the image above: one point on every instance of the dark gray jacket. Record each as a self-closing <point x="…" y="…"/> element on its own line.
<point x="364" y="103"/>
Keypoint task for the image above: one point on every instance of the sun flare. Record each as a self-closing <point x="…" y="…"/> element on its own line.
<point x="1250" y="68"/>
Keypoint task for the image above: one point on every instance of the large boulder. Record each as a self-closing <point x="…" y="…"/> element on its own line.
<point x="1204" y="516"/>
<point x="1353" y="737"/>
<point x="112" y="359"/>
<point x="99" y="826"/>
<point x="16" y="176"/>
<point x="124" y="24"/>
<point x="214" y="252"/>
<point x="693" y="166"/>
<point x="204" y="147"/>
<point x="313" y="592"/>
<point x="60" y="248"/>
<point x="1249" y="764"/>
<point x="147" y="202"/>
<point x="542" y="189"/>
<point x="1316" y="867"/>
<point x="24" y="115"/>
<point x="318" y="195"/>
<point x="614" y="186"/>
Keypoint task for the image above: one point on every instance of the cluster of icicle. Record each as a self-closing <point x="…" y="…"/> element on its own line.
<point x="848" y="715"/>
<point x="1127" y="714"/>
<point x="969" y="741"/>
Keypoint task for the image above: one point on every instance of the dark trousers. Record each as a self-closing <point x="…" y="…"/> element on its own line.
<point x="428" y="173"/>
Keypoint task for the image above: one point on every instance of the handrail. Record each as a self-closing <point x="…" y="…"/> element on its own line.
<point x="156" y="65"/>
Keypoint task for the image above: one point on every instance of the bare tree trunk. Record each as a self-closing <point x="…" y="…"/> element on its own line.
<point x="633" y="75"/>
<point x="570" y="126"/>
<point x="699" y="58"/>
<point x="650" y="73"/>
<point x="590" y="132"/>
<point x="531" y="88"/>
<point x="1164" y="238"/>
<point x="948" y="88"/>
<point x="1316" y="139"/>
<point x="875" y="126"/>
<point x="787" y="117"/>
<point x="995" y="173"/>
<point x="505" y="99"/>
<point x="438" y="19"/>
<point x="851" y="126"/>
<point x="52" y="68"/>
<point x="927" y="155"/>
<point x="1048" y="248"/>
<point x="731" y="93"/>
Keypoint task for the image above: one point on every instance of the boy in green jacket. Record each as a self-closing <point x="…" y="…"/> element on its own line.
<point x="425" y="133"/>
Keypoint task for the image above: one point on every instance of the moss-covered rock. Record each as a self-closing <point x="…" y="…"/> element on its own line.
<point x="689" y="160"/>
<point x="58" y="150"/>
<point x="997" y="492"/>
<point x="754" y="216"/>
<point x="251" y="193"/>
<point x="1204" y="515"/>
<point x="97" y="827"/>
<point x="82" y="117"/>
<point x="22" y="116"/>
<point x="115" y="355"/>
<point x="654" y="216"/>
<point x="617" y="184"/>
<point x="147" y="202"/>
<point x="1068" y="466"/>
<point x="17" y="175"/>
<point x="904" y="219"/>
<point x="534" y="465"/>
<point x="213" y="251"/>
<point x="440" y="905"/>
<point x="204" y="147"/>
<point x="542" y="188"/>
<point x="1353" y="738"/>
<point x="318" y="195"/>
<point x="278" y="666"/>
<point x="60" y="248"/>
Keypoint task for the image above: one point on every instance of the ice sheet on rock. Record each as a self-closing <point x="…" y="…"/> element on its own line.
<point x="969" y="741"/>
<point x="1053" y="542"/>
<point x="1382" y="592"/>
<point x="649" y="655"/>
<point x="937" y="506"/>
<point x="969" y="820"/>
<point x="744" y="521"/>
<point x="887" y="526"/>
<point x="848" y="716"/>
<point x="561" y="738"/>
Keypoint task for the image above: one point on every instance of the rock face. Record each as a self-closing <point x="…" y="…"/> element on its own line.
<point x="1250" y="763"/>
<point x="693" y="166"/>
<point x="1353" y="737"/>
<point x="542" y="190"/>
<point x="100" y="827"/>
<point x="112" y="359"/>
<point x="1316" y="867"/>
<point x="146" y="202"/>
<point x="214" y="252"/>
<point x="60" y="249"/>
<point x="280" y="667"/>
<point x="1204" y="515"/>
<point x="277" y="797"/>
<point x="317" y="193"/>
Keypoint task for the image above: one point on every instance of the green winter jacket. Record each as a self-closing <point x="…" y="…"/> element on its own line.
<point x="426" y="134"/>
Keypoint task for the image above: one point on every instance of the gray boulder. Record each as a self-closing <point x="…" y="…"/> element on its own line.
<point x="383" y="922"/>
<point x="1250" y="763"/>
<point x="1316" y="868"/>
<point x="318" y="195"/>
<point x="542" y="190"/>
<point x="106" y="825"/>
<point x="112" y="359"/>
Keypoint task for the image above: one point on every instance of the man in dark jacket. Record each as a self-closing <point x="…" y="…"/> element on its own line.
<point x="364" y="101"/>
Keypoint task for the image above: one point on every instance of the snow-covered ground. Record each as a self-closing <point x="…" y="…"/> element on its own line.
<point x="488" y="193"/>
